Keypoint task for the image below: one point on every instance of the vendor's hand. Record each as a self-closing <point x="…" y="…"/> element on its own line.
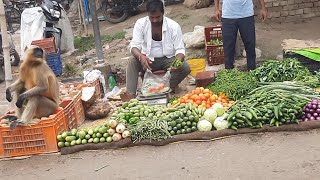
<point x="173" y="69"/>
<point x="217" y="14"/>
<point x="145" y="61"/>
<point x="263" y="14"/>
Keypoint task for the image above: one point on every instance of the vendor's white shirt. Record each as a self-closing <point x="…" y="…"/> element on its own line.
<point x="172" y="39"/>
<point x="156" y="49"/>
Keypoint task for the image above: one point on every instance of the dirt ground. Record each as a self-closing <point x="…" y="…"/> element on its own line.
<point x="260" y="156"/>
<point x="285" y="156"/>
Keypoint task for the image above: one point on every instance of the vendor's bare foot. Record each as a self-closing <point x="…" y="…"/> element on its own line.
<point x="127" y="97"/>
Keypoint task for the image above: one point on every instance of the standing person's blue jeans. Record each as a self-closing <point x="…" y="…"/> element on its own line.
<point x="230" y="28"/>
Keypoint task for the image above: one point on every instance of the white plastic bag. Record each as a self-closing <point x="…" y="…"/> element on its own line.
<point x="154" y="84"/>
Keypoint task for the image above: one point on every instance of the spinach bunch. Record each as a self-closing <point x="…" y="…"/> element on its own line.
<point x="234" y="83"/>
<point x="279" y="71"/>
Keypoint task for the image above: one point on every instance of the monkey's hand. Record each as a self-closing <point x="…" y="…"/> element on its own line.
<point x="20" y="100"/>
<point x="11" y="118"/>
<point x="8" y="95"/>
<point x="14" y="124"/>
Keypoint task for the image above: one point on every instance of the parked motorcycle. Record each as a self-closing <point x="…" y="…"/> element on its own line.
<point x="52" y="12"/>
<point x="116" y="11"/>
<point x="14" y="56"/>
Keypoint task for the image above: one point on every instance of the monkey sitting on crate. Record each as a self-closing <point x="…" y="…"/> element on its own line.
<point x="37" y="88"/>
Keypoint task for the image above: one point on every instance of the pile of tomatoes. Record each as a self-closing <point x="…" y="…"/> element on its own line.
<point x="204" y="98"/>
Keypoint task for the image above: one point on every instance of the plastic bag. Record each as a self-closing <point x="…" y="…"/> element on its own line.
<point x="154" y="84"/>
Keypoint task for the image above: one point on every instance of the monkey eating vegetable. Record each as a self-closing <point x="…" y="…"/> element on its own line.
<point x="37" y="89"/>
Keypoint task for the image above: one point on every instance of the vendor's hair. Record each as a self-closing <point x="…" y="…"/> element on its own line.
<point x="154" y="6"/>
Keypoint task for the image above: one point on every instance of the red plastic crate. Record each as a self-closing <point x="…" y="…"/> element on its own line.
<point x="70" y="113"/>
<point x="215" y="55"/>
<point x="212" y="33"/>
<point x="34" y="139"/>
<point x="47" y="44"/>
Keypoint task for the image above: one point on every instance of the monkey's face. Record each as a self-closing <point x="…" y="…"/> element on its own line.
<point x="34" y="53"/>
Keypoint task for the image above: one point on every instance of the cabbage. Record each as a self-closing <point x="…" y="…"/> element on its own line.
<point x="220" y="123"/>
<point x="210" y="115"/>
<point x="219" y="109"/>
<point x="204" y="125"/>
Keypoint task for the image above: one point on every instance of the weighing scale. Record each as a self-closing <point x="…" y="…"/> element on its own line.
<point x="159" y="99"/>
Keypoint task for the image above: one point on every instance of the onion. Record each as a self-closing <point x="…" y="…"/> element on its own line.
<point x="111" y="131"/>
<point x="314" y="101"/>
<point x="314" y="106"/>
<point x="318" y="118"/>
<point x="312" y="110"/>
<point x="125" y="134"/>
<point x="305" y="119"/>
<point x="318" y="106"/>
<point x="120" y="128"/>
<point x="318" y="111"/>
<point x="116" y="137"/>
<point x="306" y="109"/>
<point x="315" y="114"/>
<point x="308" y="115"/>
<point x="312" y="118"/>
<point x="112" y="123"/>
<point x="309" y="105"/>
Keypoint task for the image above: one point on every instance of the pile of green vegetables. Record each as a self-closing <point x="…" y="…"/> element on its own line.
<point x="273" y="103"/>
<point x="157" y="122"/>
<point x="279" y="71"/>
<point x="234" y="83"/>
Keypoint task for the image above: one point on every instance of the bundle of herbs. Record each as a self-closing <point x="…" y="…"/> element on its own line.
<point x="279" y="71"/>
<point x="308" y="79"/>
<point x="153" y="129"/>
<point x="234" y="83"/>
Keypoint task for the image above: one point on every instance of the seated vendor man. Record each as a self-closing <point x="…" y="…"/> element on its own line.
<point x="156" y="42"/>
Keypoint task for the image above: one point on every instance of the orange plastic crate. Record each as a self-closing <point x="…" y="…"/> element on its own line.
<point x="70" y="113"/>
<point x="77" y="102"/>
<point x="34" y="139"/>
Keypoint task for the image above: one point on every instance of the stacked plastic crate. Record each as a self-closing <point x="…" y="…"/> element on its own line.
<point x="53" y="55"/>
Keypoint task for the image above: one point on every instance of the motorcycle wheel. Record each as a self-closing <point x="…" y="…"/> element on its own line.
<point x="113" y="18"/>
<point x="15" y="58"/>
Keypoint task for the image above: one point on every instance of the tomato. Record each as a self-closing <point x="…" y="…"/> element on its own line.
<point x="151" y="89"/>
<point x="197" y="91"/>
<point x="208" y="106"/>
<point x="206" y="91"/>
<point x="198" y="102"/>
<point x="204" y="98"/>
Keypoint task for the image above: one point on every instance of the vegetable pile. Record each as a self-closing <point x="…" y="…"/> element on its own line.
<point x="279" y="71"/>
<point x="272" y="103"/>
<point x="158" y="122"/>
<point x="204" y="98"/>
<point x="311" y="111"/>
<point x="215" y="42"/>
<point x="112" y="131"/>
<point x="234" y="83"/>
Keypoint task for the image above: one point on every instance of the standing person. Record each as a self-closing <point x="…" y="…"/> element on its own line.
<point x="237" y="15"/>
<point x="156" y="42"/>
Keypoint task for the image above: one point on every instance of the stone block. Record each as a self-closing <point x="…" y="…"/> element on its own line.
<point x="285" y="13"/>
<point x="299" y="11"/>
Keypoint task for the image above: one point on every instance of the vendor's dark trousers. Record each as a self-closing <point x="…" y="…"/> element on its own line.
<point x="230" y="28"/>
<point x="134" y="67"/>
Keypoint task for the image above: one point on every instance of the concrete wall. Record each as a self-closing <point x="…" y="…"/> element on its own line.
<point x="290" y="10"/>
